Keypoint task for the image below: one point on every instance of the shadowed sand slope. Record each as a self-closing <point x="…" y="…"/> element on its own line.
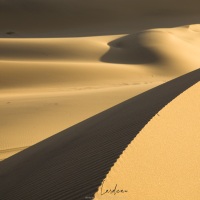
<point x="27" y="118"/>
<point x="157" y="48"/>
<point x="73" y="163"/>
<point x="162" y="162"/>
<point x="50" y="84"/>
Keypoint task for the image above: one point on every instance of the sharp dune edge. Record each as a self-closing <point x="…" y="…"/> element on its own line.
<point x="162" y="162"/>
<point x="40" y="76"/>
<point x="73" y="163"/>
<point x="64" y="61"/>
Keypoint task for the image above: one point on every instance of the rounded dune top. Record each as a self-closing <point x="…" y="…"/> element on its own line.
<point x="156" y="47"/>
<point x="194" y="27"/>
<point x="162" y="162"/>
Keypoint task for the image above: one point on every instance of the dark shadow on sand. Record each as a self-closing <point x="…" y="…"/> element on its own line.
<point x="72" y="164"/>
<point x="130" y="50"/>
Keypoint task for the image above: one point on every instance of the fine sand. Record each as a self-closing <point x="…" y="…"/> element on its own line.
<point x="65" y="68"/>
<point x="64" y="61"/>
<point x="162" y="162"/>
<point x="73" y="163"/>
<point x="49" y="84"/>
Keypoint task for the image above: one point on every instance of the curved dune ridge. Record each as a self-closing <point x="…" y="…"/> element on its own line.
<point x="162" y="162"/>
<point x="65" y="67"/>
<point x="76" y="78"/>
<point x="156" y="47"/>
<point x="73" y="163"/>
<point x="75" y="62"/>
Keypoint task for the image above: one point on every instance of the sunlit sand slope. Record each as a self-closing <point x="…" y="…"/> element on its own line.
<point x="73" y="163"/>
<point x="48" y="85"/>
<point x="162" y="162"/>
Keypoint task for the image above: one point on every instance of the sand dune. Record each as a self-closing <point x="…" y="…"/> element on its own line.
<point x="155" y="47"/>
<point x="162" y="161"/>
<point x="73" y="163"/>
<point x="73" y="74"/>
<point x="64" y="64"/>
<point x="57" y="49"/>
<point x="29" y="118"/>
<point x="64" y="61"/>
<point x="75" y="77"/>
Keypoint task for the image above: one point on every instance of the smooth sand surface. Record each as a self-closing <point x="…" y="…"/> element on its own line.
<point x="64" y="61"/>
<point x="35" y="117"/>
<point x="162" y="162"/>
<point x="73" y="163"/>
<point x="48" y="85"/>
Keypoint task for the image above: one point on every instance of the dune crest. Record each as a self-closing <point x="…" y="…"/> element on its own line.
<point x="195" y="27"/>
<point x="168" y="50"/>
<point x="63" y="69"/>
<point x="105" y="51"/>
<point x="79" y="79"/>
<point x="73" y="163"/>
<point x="162" y="161"/>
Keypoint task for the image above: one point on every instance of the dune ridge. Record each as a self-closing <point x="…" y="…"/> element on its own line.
<point x="67" y="70"/>
<point x="65" y="104"/>
<point x="98" y="67"/>
<point x="164" y="155"/>
<point x="73" y="163"/>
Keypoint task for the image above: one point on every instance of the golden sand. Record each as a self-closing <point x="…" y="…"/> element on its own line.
<point x="162" y="161"/>
<point x="62" y="61"/>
